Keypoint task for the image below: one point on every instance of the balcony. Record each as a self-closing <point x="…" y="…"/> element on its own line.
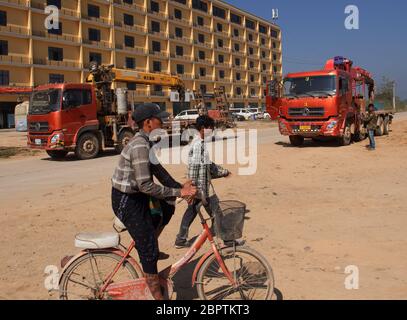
<point x="185" y="76"/>
<point x="159" y="54"/>
<point x="135" y="50"/>
<point x="253" y="56"/>
<point x="204" y="61"/>
<point x="56" y="37"/>
<point x="132" y="94"/>
<point x="53" y="63"/>
<point x="100" y="44"/>
<point x="157" y="15"/>
<point x="223" y="49"/>
<point x="240" y="67"/>
<point x="237" y="52"/>
<point x="223" y="34"/>
<point x="134" y="28"/>
<point x="157" y="93"/>
<point x="203" y="78"/>
<point x="180" y="5"/>
<point x="183" y="39"/>
<point x="181" y="58"/>
<point x="222" y="64"/>
<point x="160" y="34"/>
<point x="63" y="11"/>
<point x="183" y="22"/>
<point x="100" y="20"/>
<point x="11" y="59"/>
<point x="12" y="29"/>
<point x="223" y="80"/>
<point x="254" y="70"/>
<point x="131" y="7"/>
<point x="238" y="38"/>
<point x="19" y="3"/>
<point x="202" y="28"/>
<point x="203" y="44"/>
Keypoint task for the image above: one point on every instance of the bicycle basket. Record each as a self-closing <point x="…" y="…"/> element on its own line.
<point x="230" y="221"/>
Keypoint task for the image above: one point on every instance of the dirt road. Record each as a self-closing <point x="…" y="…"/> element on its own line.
<point x="313" y="212"/>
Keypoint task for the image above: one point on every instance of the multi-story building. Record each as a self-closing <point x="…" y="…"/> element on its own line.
<point x="208" y="43"/>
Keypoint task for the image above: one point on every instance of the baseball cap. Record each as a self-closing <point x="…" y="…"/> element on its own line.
<point x="148" y="110"/>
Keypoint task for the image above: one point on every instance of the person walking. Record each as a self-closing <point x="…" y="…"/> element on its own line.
<point x="371" y="125"/>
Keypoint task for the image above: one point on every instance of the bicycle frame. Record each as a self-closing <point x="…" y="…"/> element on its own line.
<point x="170" y="271"/>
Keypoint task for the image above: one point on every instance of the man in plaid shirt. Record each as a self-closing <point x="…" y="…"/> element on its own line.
<point x="201" y="170"/>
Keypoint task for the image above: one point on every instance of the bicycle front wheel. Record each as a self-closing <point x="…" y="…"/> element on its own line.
<point x="252" y="273"/>
<point x="86" y="275"/>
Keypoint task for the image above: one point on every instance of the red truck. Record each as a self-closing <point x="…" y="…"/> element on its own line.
<point x="327" y="103"/>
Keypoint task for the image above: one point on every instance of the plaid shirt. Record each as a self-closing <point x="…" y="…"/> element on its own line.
<point x="201" y="170"/>
<point x="135" y="172"/>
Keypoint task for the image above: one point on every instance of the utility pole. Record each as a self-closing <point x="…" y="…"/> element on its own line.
<point x="394" y="96"/>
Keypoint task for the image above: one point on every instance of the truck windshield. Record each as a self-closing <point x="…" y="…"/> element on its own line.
<point x="45" y="101"/>
<point x="310" y="86"/>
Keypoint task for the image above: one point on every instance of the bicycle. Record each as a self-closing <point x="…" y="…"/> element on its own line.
<point x="104" y="269"/>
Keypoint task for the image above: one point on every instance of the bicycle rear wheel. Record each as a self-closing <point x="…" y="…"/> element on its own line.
<point x="83" y="278"/>
<point x="251" y="271"/>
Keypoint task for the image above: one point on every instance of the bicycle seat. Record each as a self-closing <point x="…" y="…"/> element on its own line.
<point x="97" y="240"/>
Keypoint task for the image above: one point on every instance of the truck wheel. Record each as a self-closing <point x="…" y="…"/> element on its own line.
<point x="386" y="126"/>
<point x="346" y="139"/>
<point x="124" y="139"/>
<point x="57" y="154"/>
<point x="380" y="130"/>
<point x="297" y="141"/>
<point x="87" y="147"/>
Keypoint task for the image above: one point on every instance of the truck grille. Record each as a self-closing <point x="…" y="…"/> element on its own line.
<point x="306" y="112"/>
<point x="39" y="126"/>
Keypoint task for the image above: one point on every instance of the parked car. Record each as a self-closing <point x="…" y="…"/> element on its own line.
<point x="244" y="113"/>
<point x="263" y="115"/>
<point x="187" y="115"/>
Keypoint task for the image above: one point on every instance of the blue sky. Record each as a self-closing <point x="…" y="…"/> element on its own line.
<point x="314" y="31"/>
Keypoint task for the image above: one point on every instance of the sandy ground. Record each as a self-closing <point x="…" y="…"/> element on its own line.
<point x="313" y="211"/>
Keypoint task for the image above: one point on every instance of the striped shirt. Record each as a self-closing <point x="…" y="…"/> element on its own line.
<point x="134" y="173"/>
<point x="201" y="170"/>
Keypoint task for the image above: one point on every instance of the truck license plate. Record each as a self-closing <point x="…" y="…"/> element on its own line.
<point x="305" y="128"/>
<point x="38" y="142"/>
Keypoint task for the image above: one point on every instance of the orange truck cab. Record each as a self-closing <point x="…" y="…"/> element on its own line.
<point x="63" y="118"/>
<point x="322" y="103"/>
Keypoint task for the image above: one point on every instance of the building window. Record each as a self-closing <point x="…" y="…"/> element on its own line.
<point x="250" y="51"/>
<point x="94" y="34"/>
<point x="238" y="91"/>
<point x="200" y="5"/>
<point x="56" y="31"/>
<point x="178" y="32"/>
<point x="263" y="54"/>
<point x="55" y="54"/>
<point x="235" y="32"/>
<point x="130" y="63"/>
<point x="237" y="62"/>
<point x="235" y="18"/>
<point x="180" y="69"/>
<point x="201" y="38"/>
<point x="95" y="57"/>
<point x="56" y="78"/>
<point x="251" y="78"/>
<point x="93" y="11"/>
<point x="3" y="48"/>
<point x="131" y="86"/>
<point x="222" y="74"/>
<point x="219" y="27"/>
<point x="237" y="47"/>
<point x="262" y="29"/>
<point x="157" y="88"/>
<point x="264" y="67"/>
<point x="251" y="64"/>
<point x="221" y="58"/>
<point x="274" y="57"/>
<point x="129" y="41"/>
<point x="264" y="79"/>
<point x="250" y="37"/>
<point x="154" y="6"/>
<point x="128" y="20"/>
<point x="3" y="18"/>
<point x="177" y="14"/>
<point x="274" y="34"/>
<point x="203" y="88"/>
<point x="274" y="45"/>
<point x="56" y="3"/>
<point x="156" y="46"/>
<point x="263" y="41"/>
<point x="252" y="92"/>
<point x="155" y="26"/>
<point x="250" y="24"/>
<point x="202" y="72"/>
<point x="156" y="66"/>
<point x="200" y="21"/>
<point x="128" y="1"/>
<point x="220" y="43"/>
<point x="238" y="76"/>
<point x="4" y="78"/>
<point x="179" y="51"/>
<point x="201" y="55"/>
<point x="275" y="69"/>
<point x="218" y="12"/>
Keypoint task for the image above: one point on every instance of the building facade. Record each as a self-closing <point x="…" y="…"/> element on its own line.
<point x="208" y="43"/>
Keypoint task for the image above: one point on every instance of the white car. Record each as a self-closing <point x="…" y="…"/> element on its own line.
<point x="263" y="115"/>
<point x="187" y="115"/>
<point x="245" y="113"/>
